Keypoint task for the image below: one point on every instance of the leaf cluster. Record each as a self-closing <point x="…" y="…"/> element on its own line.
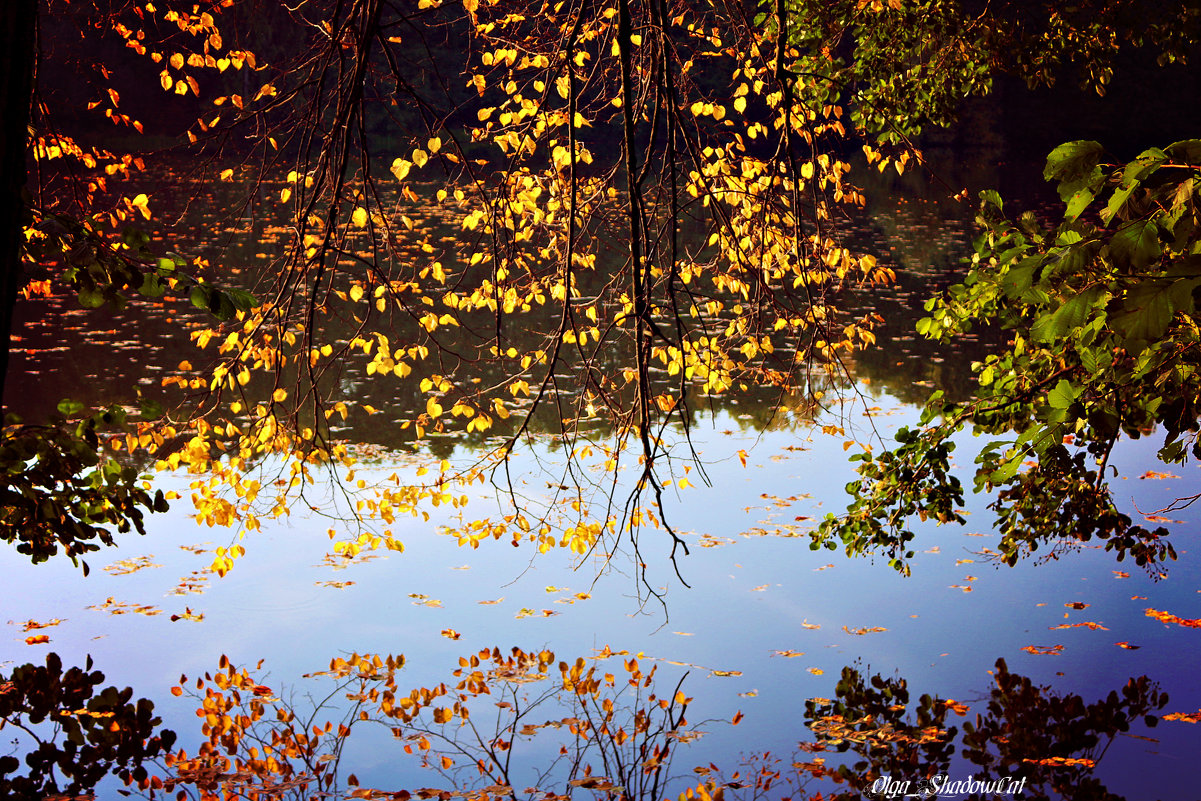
<point x="59" y="489"/>
<point x="92" y="733"/>
<point x="1104" y="345"/>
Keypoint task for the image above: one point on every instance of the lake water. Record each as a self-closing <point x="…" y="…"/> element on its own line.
<point x="764" y="625"/>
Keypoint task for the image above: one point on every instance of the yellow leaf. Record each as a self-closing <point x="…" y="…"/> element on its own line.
<point x="356" y="292"/>
<point x="420" y="157"/>
<point x="227" y="175"/>
<point x="359" y="217"/>
<point x="433" y="408"/>
<point x="280" y="395"/>
<point x="400" y="168"/>
<point x="177" y="60"/>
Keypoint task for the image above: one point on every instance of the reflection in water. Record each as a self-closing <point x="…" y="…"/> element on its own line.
<point x="1029" y="736"/>
<point x="71" y="734"/>
<point x="523" y="725"/>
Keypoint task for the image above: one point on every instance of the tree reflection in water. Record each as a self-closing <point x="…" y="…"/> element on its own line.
<point x="524" y="725"/>
<point x="73" y="734"/>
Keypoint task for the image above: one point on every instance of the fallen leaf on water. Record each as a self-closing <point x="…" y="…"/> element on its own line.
<point x="760" y="588"/>
<point x="684" y="633"/>
<point x="451" y="634"/>
<point x="1077" y="605"/>
<point x="1065" y="761"/>
<point x="963" y="587"/>
<point x="188" y="614"/>
<point x="787" y="653"/>
<point x="1138" y="597"/>
<point x="115" y="607"/>
<point x="1127" y="646"/>
<point x="1121" y="574"/>
<point x="806" y="624"/>
<point x="727" y="673"/>
<point x="1160" y="519"/>
<point x="1186" y="717"/>
<point x="815" y="671"/>
<point x="337" y="585"/>
<point x="132" y="565"/>
<point x="823" y="567"/>
<point x="859" y="632"/>
<point x="1168" y="617"/>
<point x="956" y="707"/>
<point x="935" y="549"/>
<point x="1053" y="650"/>
<point x="33" y="625"/>
<point x="491" y="603"/>
<point x="37" y="639"/>
<point x="959" y="562"/>
<point x="1157" y="474"/>
<point x="1086" y="624"/>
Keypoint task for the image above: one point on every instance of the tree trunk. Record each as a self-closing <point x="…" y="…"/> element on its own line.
<point x="18" y="25"/>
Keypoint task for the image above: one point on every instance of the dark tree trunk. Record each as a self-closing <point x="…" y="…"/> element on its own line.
<point x="18" y="25"/>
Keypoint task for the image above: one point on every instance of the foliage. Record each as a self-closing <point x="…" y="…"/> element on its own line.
<point x="101" y="731"/>
<point x="872" y="718"/>
<point x="1103" y="345"/>
<point x="60" y="489"/>
<point x="901" y="67"/>
<point x="581" y="226"/>
<point x="1047" y="739"/>
<point x="613" y="736"/>
<point x="1027" y="736"/>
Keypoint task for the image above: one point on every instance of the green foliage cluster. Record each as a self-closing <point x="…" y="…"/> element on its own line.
<point x="59" y="489"/>
<point x="83" y="733"/>
<point x="902" y="66"/>
<point x="104" y="271"/>
<point x="1104" y="344"/>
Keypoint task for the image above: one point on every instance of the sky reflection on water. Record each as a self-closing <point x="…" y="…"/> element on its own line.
<point x="751" y="610"/>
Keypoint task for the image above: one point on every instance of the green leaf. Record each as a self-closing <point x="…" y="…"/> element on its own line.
<point x="1186" y="150"/>
<point x="151" y="409"/>
<point x="91" y="298"/>
<point x="1146" y="163"/>
<point x="151" y="287"/>
<point x="1063" y="395"/>
<point x="241" y="299"/>
<point x="1147" y="310"/>
<point x="1136" y="244"/>
<point x="1070" y="316"/>
<point x="1073" y="160"/>
<point x="69" y="408"/>
<point x="1116" y="201"/>
<point x="1079" y="201"/>
<point x="200" y="296"/>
